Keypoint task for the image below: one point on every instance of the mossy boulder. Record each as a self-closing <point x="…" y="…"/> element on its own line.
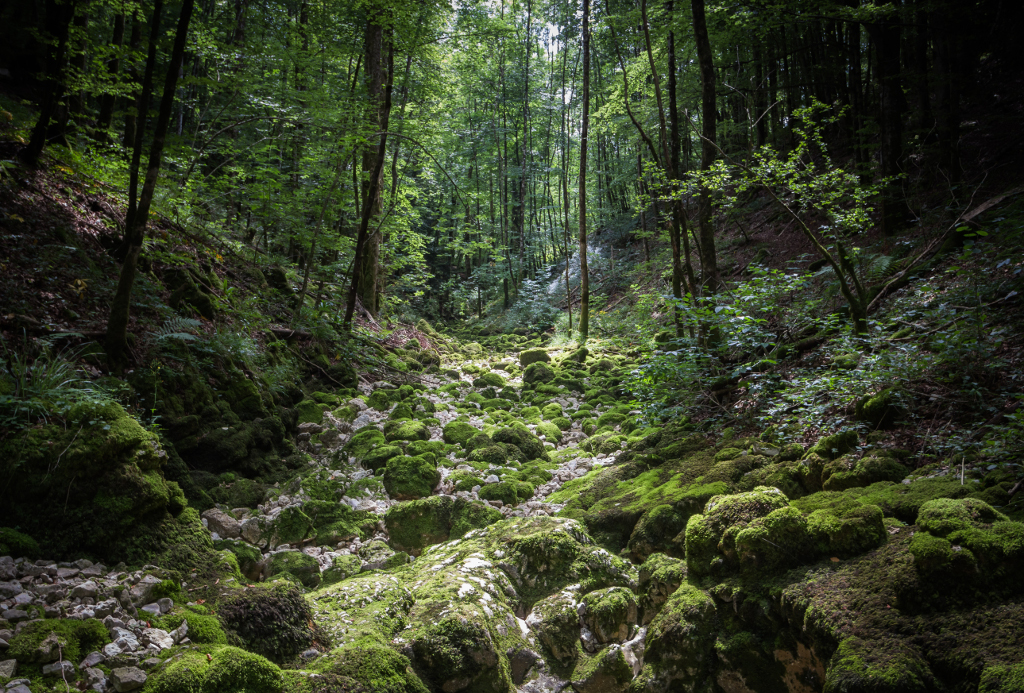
<point x="218" y="670"/>
<point x="492" y="455"/>
<point x="508" y="492"/>
<point x="490" y="379"/>
<point x="711" y="537"/>
<point x="47" y="640"/>
<point x="531" y="356"/>
<point x="891" y="666"/>
<point x="414" y="525"/>
<point x="409" y="478"/>
<point x="401" y="412"/>
<point x="849" y="472"/>
<point x="880" y="410"/>
<point x="303" y="567"/>
<point x="364" y="667"/>
<point x="610" y="613"/>
<point x="537" y="373"/>
<point x="556" y="622"/>
<point x="551" y="432"/>
<point x="15" y="543"/>
<point x="522" y="438"/>
<point x="660" y="576"/>
<point x="379" y="400"/>
<point x="310" y="412"/>
<point x="342" y="568"/>
<point x="364" y="441"/>
<point x="378" y="457"/>
<point x="679" y="644"/>
<point x="833" y="446"/>
<point x="458" y="433"/>
<point x="656" y="531"/>
<point x="406" y="430"/>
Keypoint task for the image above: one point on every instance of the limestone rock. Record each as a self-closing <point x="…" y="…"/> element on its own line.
<point x="8" y="668"/>
<point x="127" y="679"/>
<point x="222" y="523"/>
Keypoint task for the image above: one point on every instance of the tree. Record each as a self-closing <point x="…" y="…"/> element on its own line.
<point x="582" y="207"/>
<point x="709" y="118"/>
<point x="135" y="233"/>
<point x="59" y="14"/>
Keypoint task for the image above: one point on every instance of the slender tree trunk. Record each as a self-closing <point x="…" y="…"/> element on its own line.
<point x="582" y="207"/>
<point x="373" y="47"/>
<point x="376" y="179"/>
<point x="58" y="21"/>
<point x="708" y="259"/>
<point x="117" y="325"/>
<point x="131" y="116"/>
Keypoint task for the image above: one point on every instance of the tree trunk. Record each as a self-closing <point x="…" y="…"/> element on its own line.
<point x="360" y="262"/>
<point x="117" y="325"/>
<point x="131" y="116"/>
<point x="582" y="209"/>
<point x="58" y="21"/>
<point x="369" y="259"/>
<point x="708" y="259"/>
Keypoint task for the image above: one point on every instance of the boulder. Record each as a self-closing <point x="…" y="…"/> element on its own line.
<point x="127" y="679"/>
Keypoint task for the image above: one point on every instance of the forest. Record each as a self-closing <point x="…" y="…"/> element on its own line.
<point x="493" y="346"/>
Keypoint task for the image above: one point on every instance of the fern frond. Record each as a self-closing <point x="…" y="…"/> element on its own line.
<point x="177" y="328"/>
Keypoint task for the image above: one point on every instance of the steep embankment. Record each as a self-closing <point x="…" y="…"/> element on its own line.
<point x="508" y="525"/>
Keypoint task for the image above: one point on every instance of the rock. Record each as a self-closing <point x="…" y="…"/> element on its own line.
<point x="152" y="609"/>
<point x="125" y="639"/>
<point x="19" y="688"/>
<point x="127" y="679"/>
<point x="23" y="599"/>
<point x="86" y="589"/>
<point x="64" y="669"/>
<point x="49" y="650"/>
<point x="15" y="615"/>
<point x="142" y="592"/>
<point x="179" y="633"/>
<point x="166" y="604"/>
<point x="94" y="676"/>
<point x="557" y="625"/>
<point x="608" y="672"/>
<point x="150" y="663"/>
<point x="91" y="660"/>
<point x="610" y="613"/>
<point x="10" y="589"/>
<point x="158" y="638"/>
<point x="111" y="649"/>
<point x="222" y="523"/>
<point x="8" y="668"/>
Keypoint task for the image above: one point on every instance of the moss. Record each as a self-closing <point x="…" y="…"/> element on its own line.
<point x="878" y="410"/>
<point x="342" y="568"/>
<point x="401" y="412"/>
<point x="218" y="670"/>
<point x="508" y="492"/>
<point x="552" y="411"/>
<point x="531" y="356"/>
<point x="707" y="547"/>
<point x="303" y="567"/>
<point x="831" y="447"/>
<point x="310" y="411"/>
<point x="779" y="539"/>
<point x="456" y="653"/>
<point x="406" y="430"/>
<point x="458" y="433"/>
<point x="556" y="622"/>
<point x="550" y="431"/>
<point x="563" y="423"/>
<point x="1002" y="679"/>
<point x="367" y="668"/>
<point x="610" y="613"/>
<point x="943" y="516"/>
<point x="679" y="648"/>
<point x="727" y="454"/>
<point x="363" y="441"/>
<point x="489" y="380"/>
<point x="879" y="667"/>
<point x="272" y="620"/>
<point x="378" y="457"/>
<point x="537" y="373"/>
<point x="660" y="576"/>
<point x="15" y="543"/>
<point x="203" y="629"/>
<point x="521" y="437"/>
<point x="74" y="638"/>
<point x="610" y="419"/>
<point x="847" y="531"/>
<point x="655" y="531"/>
<point x="408" y="478"/>
<point x="363" y="609"/>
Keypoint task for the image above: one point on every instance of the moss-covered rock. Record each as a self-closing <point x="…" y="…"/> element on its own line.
<point x="458" y="433"/>
<point x="364" y="441"/>
<point x="15" y="543"/>
<point x="510" y="492"/>
<point x="302" y="567"/>
<point x="409" y="478"/>
<point x="879" y="410"/>
<point x="310" y="411"/>
<point x="711" y="537"/>
<point x="378" y="457"/>
<point x="550" y="431"/>
<point x="833" y="446"/>
<point x="610" y="614"/>
<point x="342" y="568"/>
<point x="660" y="576"/>
<point x="656" y="531"/>
<point x="679" y="645"/>
<point x="218" y="670"/>
<point x="556" y="623"/>
<point x="365" y="667"/>
<point x="414" y="525"/>
<point x="203" y="628"/>
<point x="886" y="667"/>
<point x="521" y="437"/>
<point x="406" y="430"/>
<point x="537" y="373"/>
<point x="531" y="356"/>
<point x="490" y="379"/>
<point x="47" y="640"/>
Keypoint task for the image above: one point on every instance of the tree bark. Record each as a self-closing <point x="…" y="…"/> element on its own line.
<point x="582" y="208"/>
<point x="117" y="325"/>
<point x="369" y="259"/>
<point x="708" y="256"/>
<point x="360" y="262"/>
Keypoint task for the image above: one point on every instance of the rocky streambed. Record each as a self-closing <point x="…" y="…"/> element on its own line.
<point x="512" y="526"/>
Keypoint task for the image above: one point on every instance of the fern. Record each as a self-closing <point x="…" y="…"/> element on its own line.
<point x="177" y="328"/>
<point x="874" y="268"/>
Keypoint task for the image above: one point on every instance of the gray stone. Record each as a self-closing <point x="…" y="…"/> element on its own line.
<point x="94" y="676"/>
<point x="150" y="663"/>
<point x="125" y="638"/>
<point x="10" y="589"/>
<point x="152" y="609"/>
<point x="158" y="638"/>
<point x="67" y="573"/>
<point x="83" y="563"/>
<point x="63" y="668"/>
<point x="20" y="688"/>
<point x="23" y="599"/>
<point x="179" y="633"/>
<point x="222" y="523"/>
<point x="105" y="608"/>
<point x="127" y="679"/>
<point x="93" y="571"/>
<point x="111" y="649"/>
<point x="8" y="668"/>
<point x="142" y="592"/>
<point x="3" y="644"/>
<point x="250" y="530"/>
<point x="86" y="589"/>
<point x="91" y="660"/>
<point x="166" y="604"/>
<point x="49" y="649"/>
